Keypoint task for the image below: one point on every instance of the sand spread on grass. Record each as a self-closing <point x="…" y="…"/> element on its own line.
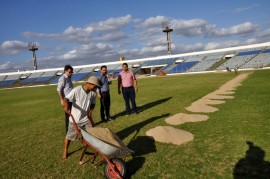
<point x="168" y="134"/>
<point x="181" y="118"/>
<point x="223" y="93"/>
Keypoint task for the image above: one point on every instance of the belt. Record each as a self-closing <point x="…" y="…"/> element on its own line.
<point x="128" y="87"/>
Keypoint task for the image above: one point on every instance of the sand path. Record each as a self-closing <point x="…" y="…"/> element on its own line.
<point x="168" y="134"/>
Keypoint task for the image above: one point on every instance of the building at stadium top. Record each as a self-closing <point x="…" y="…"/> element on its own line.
<point x="241" y="57"/>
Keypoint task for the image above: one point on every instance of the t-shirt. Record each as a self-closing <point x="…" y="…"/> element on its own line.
<point x="81" y="102"/>
<point x="126" y="78"/>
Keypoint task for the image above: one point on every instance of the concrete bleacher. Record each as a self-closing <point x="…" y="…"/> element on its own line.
<point x="157" y="65"/>
<point x="112" y="67"/>
<point x="182" y="67"/>
<point x="55" y="80"/>
<point x="2" y="78"/>
<point x="31" y="78"/>
<point x="83" y="72"/>
<point x="259" y="61"/>
<point x="254" y="52"/>
<point x="203" y="65"/>
<point x="240" y="59"/>
<point x="194" y="58"/>
<point x="248" y="56"/>
<point x="10" y="80"/>
<point x="45" y="77"/>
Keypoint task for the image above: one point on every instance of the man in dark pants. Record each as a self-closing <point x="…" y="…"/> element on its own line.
<point x="128" y="82"/>
<point x="63" y="88"/>
<point x="104" y="94"/>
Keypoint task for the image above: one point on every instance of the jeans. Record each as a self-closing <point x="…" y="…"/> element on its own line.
<point x="105" y="103"/>
<point x="129" y="95"/>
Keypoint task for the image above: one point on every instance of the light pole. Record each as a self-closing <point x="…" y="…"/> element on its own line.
<point x="33" y="47"/>
<point x="167" y="30"/>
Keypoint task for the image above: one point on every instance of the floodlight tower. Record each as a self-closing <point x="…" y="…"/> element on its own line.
<point x="33" y="47"/>
<point x="167" y="30"/>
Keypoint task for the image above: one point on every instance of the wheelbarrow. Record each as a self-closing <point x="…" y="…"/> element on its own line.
<point x="108" y="146"/>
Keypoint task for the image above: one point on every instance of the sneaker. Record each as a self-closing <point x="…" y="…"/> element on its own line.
<point x="109" y="119"/>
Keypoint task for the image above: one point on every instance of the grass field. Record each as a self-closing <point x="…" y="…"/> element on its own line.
<point x="32" y="130"/>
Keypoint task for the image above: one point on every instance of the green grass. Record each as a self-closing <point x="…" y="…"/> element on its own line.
<point x="32" y="129"/>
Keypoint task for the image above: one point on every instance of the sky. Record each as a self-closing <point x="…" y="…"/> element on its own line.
<point x="82" y="32"/>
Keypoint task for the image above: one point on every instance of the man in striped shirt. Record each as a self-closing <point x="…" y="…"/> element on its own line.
<point x="64" y="87"/>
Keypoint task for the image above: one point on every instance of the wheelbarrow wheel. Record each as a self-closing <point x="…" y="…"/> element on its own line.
<point x="118" y="169"/>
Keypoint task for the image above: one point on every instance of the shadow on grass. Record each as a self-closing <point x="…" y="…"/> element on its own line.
<point x="137" y="127"/>
<point x="144" y="107"/>
<point x="74" y="151"/>
<point x="137" y="161"/>
<point x="152" y="104"/>
<point x="141" y="145"/>
<point x="253" y="164"/>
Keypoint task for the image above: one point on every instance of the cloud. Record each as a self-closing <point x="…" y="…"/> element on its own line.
<point x="112" y="24"/>
<point x="243" y="9"/>
<point x="264" y="34"/>
<point x="13" y="47"/>
<point x="240" y="29"/>
<point x="107" y="40"/>
<point x="110" y="29"/>
<point x="6" y="66"/>
<point x="157" y="21"/>
<point x="191" y="28"/>
<point x="223" y="44"/>
<point x="151" y="28"/>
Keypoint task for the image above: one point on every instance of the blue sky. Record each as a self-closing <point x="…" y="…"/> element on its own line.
<point x="80" y="32"/>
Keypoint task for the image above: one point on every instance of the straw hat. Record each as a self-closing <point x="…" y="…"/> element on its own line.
<point x="93" y="80"/>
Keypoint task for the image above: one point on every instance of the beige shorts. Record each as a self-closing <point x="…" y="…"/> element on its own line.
<point x="72" y="134"/>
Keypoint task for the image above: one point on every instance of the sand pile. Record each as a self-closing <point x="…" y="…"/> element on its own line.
<point x="181" y="118"/>
<point x="168" y="134"/>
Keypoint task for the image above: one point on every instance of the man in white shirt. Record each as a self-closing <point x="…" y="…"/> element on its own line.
<point x="84" y="100"/>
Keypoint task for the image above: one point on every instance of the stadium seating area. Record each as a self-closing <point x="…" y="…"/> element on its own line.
<point x="243" y="58"/>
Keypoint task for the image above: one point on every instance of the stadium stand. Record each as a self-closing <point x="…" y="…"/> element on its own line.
<point x="10" y="80"/>
<point x="45" y="77"/>
<point x="239" y="60"/>
<point x="243" y="57"/>
<point x="55" y="80"/>
<point x="83" y="72"/>
<point x="155" y="66"/>
<point x="194" y="58"/>
<point x="182" y="67"/>
<point x="259" y="61"/>
<point x="2" y="77"/>
<point x="31" y="78"/>
<point x="206" y="63"/>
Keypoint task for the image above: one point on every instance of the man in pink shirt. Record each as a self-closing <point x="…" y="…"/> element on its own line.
<point x="128" y="82"/>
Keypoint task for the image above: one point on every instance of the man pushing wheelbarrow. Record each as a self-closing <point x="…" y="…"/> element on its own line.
<point x="104" y="142"/>
<point x="84" y="99"/>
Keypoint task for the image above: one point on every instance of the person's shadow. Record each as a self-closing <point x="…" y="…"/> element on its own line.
<point x="144" y="107"/>
<point x="253" y="164"/>
<point x="137" y="127"/>
<point x="141" y="145"/>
